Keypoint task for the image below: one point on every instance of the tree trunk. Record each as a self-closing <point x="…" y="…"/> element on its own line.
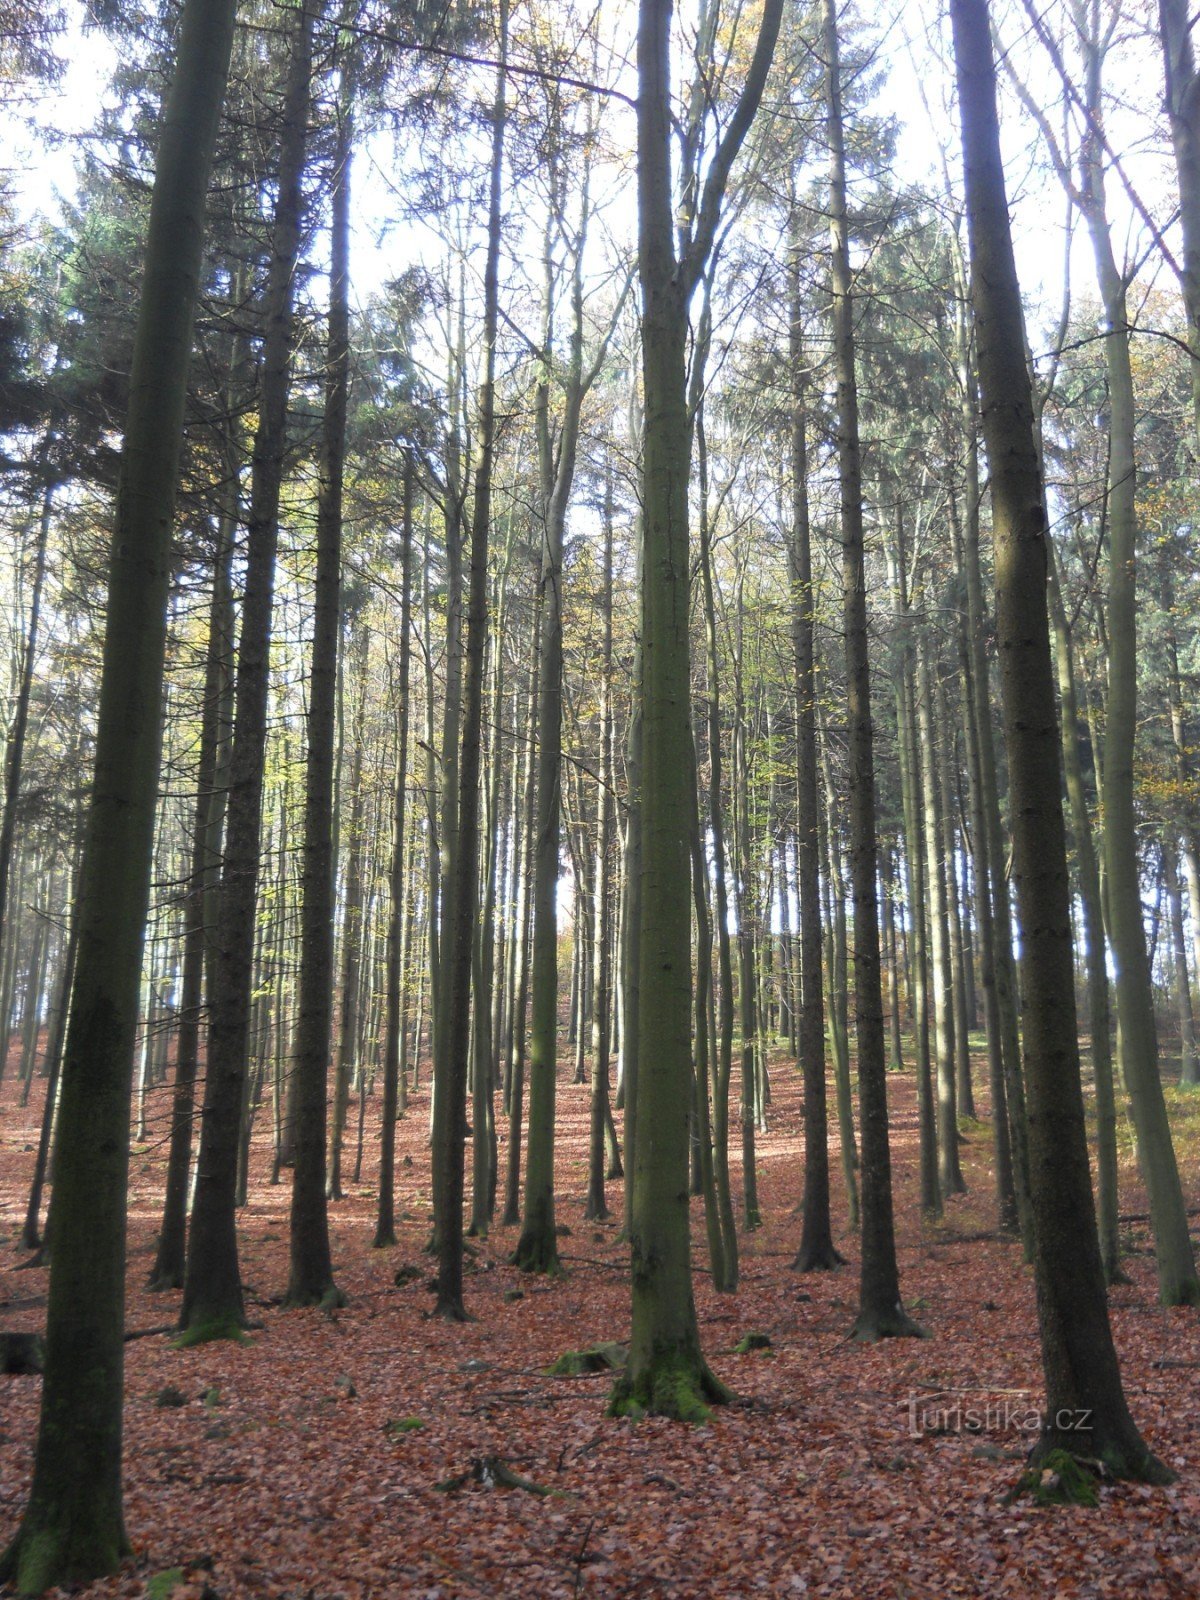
<point x="73" y="1529"/>
<point x="1178" y="1283"/>
<point x="310" y="1280"/>
<point x="14" y="755"/>
<point x="880" y="1313"/>
<point x="817" y="1252"/>
<point x="1183" y="107"/>
<point x="950" y="1178"/>
<point x="1078" y="1357"/>
<point x="452" y="1040"/>
<point x="212" y="1295"/>
<point x="981" y="774"/>
<point x="170" y="1259"/>
<point x="666" y="1372"/>
<point x="596" y="1206"/>
<point x="915" y="862"/>
<point x="352" y="932"/>
<point x="385" y="1224"/>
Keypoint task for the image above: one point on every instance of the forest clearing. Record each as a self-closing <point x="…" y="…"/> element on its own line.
<point x="828" y="1478"/>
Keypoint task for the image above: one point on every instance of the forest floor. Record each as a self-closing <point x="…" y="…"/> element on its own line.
<point x="312" y="1462"/>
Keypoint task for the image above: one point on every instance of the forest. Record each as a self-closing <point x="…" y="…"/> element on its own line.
<point x="600" y="823"/>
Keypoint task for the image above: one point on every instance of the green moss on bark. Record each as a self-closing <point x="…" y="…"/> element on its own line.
<point x="676" y="1384"/>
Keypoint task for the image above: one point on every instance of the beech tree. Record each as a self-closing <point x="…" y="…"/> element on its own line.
<point x="1078" y="1357"/>
<point x="666" y="1372"/>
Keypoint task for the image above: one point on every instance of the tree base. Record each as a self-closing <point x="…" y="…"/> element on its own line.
<point x="451" y="1309"/>
<point x="677" y="1385"/>
<point x="821" y="1257"/>
<point x="871" y="1326"/>
<point x="216" y="1328"/>
<point x="329" y="1298"/>
<point x="537" y="1251"/>
<point x="1065" y="1468"/>
<point x="44" y="1558"/>
<point x="1184" y="1291"/>
<point x="163" y="1279"/>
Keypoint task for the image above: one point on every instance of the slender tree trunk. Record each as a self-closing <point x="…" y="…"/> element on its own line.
<point x="453" y="1035"/>
<point x="960" y="962"/>
<point x="14" y="754"/>
<point x="311" y="1274"/>
<point x="385" y="1224"/>
<point x="1099" y="1018"/>
<point x="31" y="1237"/>
<point x="716" y="827"/>
<point x="73" y="1528"/>
<point x="817" y="1252"/>
<point x="836" y="990"/>
<point x="1178" y="1283"/>
<point x="880" y="1313"/>
<point x="1175" y="21"/>
<point x="352" y="934"/>
<point x="666" y="1372"/>
<point x="979" y="733"/>
<point x="1078" y="1356"/>
<point x="915" y="862"/>
<point x="596" y="1206"/>
<point x="537" y="1247"/>
<point x="212" y="1295"/>
<point x="170" y="1257"/>
<point x="950" y="1178"/>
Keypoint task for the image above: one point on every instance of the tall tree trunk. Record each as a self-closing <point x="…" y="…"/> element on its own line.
<point x="212" y="1294"/>
<point x="73" y="1528"/>
<point x="981" y="772"/>
<point x="1175" y="19"/>
<point x="350" y="981"/>
<point x="716" y="827"/>
<point x="596" y="1206"/>
<point x="817" y="1252"/>
<point x="170" y="1258"/>
<point x="836" y="987"/>
<point x="385" y="1224"/>
<point x="1178" y="1283"/>
<point x="1190" y="1073"/>
<point x="520" y="987"/>
<point x="1183" y="987"/>
<point x="452" y="1040"/>
<point x="880" y="1313"/>
<point x="31" y="1238"/>
<point x="960" y="960"/>
<point x="915" y="862"/>
<point x="950" y="1178"/>
<point x="14" y="754"/>
<point x="310" y="1280"/>
<point x="537" y="1247"/>
<point x="666" y="1372"/>
<point x="1099" y="1019"/>
<point x="744" y="901"/>
<point x="1078" y="1357"/>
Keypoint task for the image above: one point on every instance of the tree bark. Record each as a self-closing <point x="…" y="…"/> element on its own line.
<point x="73" y="1528"/>
<point x="1078" y="1357"/>
<point x="880" y="1313"/>
<point x="212" y="1294"/>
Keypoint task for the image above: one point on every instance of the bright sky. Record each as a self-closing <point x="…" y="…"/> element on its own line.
<point x="40" y="158"/>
